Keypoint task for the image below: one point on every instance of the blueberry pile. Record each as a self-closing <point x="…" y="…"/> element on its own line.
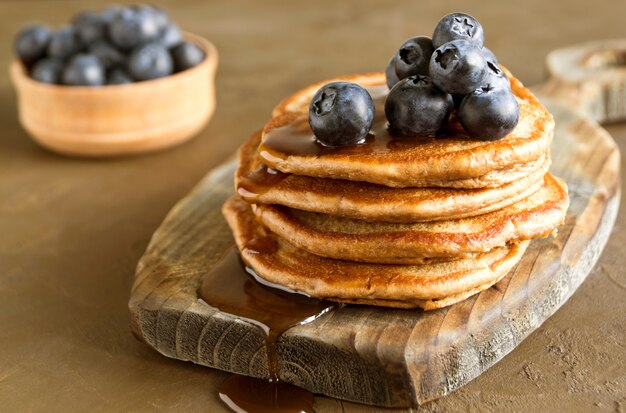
<point x="429" y="79"/>
<point x="115" y="46"/>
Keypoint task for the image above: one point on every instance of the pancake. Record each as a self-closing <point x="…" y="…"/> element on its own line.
<point x="343" y="238"/>
<point x="453" y="160"/>
<point x="299" y="101"/>
<point x="402" y="286"/>
<point x="363" y="200"/>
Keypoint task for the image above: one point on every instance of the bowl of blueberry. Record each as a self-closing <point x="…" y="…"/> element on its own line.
<point x="113" y="82"/>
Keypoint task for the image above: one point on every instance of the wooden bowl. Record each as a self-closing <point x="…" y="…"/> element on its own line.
<point x="118" y="119"/>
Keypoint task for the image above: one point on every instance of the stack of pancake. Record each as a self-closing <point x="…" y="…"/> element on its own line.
<point x="393" y="222"/>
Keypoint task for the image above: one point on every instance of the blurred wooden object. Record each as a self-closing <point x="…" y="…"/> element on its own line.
<point x="121" y="119"/>
<point x="590" y="76"/>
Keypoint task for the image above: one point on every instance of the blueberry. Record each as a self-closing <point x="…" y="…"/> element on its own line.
<point x="390" y="73"/>
<point x="31" y="43"/>
<point x="489" y="56"/>
<point x="84" y="70"/>
<point x="496" y="78"/>
<point x="159" y="15"/>
<point x="150" y="61"/>
<point x="48" y="70"/>
<point x="341" y="113"/>
<point x="163" y="20"/>
<point x="415" y="106"/>
<point x="118" y="76"/>
<point x="108" y="55"/>
<point x="64" y="43"/>
<point x="186" y="55"/>
<point x="170" y="36"/>
<point x="89" y="27"/>
<point x="458" y="26"/>
<point x="413" y="57"/>
<point x="131" y="28"/>
<point x="489" y="113"/>
<point x="458" y="67"/>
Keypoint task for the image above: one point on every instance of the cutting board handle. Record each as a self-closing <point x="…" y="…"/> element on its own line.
<point x="591" y="77"/>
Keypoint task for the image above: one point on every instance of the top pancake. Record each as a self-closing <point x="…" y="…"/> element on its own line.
<point x="372" y="202"/>
<point x="453" y="160"/>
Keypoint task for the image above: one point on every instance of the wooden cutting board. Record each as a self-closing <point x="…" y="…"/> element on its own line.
<point x="372" y="355"/>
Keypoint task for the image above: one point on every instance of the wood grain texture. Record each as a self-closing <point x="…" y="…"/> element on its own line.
<point x="120" y="119"/>
<point x="590" y="76"/>
<point x="379" y="356"/>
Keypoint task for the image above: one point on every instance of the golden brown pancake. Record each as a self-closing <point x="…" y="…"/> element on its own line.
<point x="427" y="286"/>
<point x="363" y="200"/>
<point x="344" y="238"/>
<point x="299" y="101"/>
<point x="453" y="160"/>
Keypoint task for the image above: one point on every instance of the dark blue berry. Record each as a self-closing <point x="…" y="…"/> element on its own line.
<point x="118" y="76"/>
<point x="458" y="26"/>
<point x="131" y="28"/>
<point x="186" y="55"/>
<point x="31" y="43"/>
<point x="416" y="107"/>
<point x="413" y="57"/>
<point x="341" y="113"/>
<point x="170" y="36"/>
<point x="64" y="43"/>
<point x="159" y="15"/>
<point x="89" y="27"/>
<point x="458" y="67"/>
<point x="150" y="61"/>
<point x="489" y="113"/>
<point x="48" y="70"/>
<point x="163" y="20"/>
<point x="489" y="56"/>
<point x="84" y="70"/>
<point x="496" y="78"/>
<point x="108" y="55"/>
<point x="390" y="73"/>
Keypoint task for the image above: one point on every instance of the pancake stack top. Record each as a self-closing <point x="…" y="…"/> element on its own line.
<point x="396" y="222"/>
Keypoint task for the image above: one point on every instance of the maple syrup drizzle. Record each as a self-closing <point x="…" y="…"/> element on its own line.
<point x="259" y="182"/>
<point x="297" y="138"/>
<point x="233" y="288"/>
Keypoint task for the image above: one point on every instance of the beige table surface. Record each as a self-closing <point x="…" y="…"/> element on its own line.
<point x="72" y="231"/>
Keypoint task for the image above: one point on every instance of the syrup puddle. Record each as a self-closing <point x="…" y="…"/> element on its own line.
<point x="233" y="288"/>
<point x="250" y="395"/>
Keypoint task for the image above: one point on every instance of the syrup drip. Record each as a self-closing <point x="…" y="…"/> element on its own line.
<point x="297" y="138"/>
<point x="261" y="245"/>
<point x="233" y="288"/>
<point x="259" y="182"/>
